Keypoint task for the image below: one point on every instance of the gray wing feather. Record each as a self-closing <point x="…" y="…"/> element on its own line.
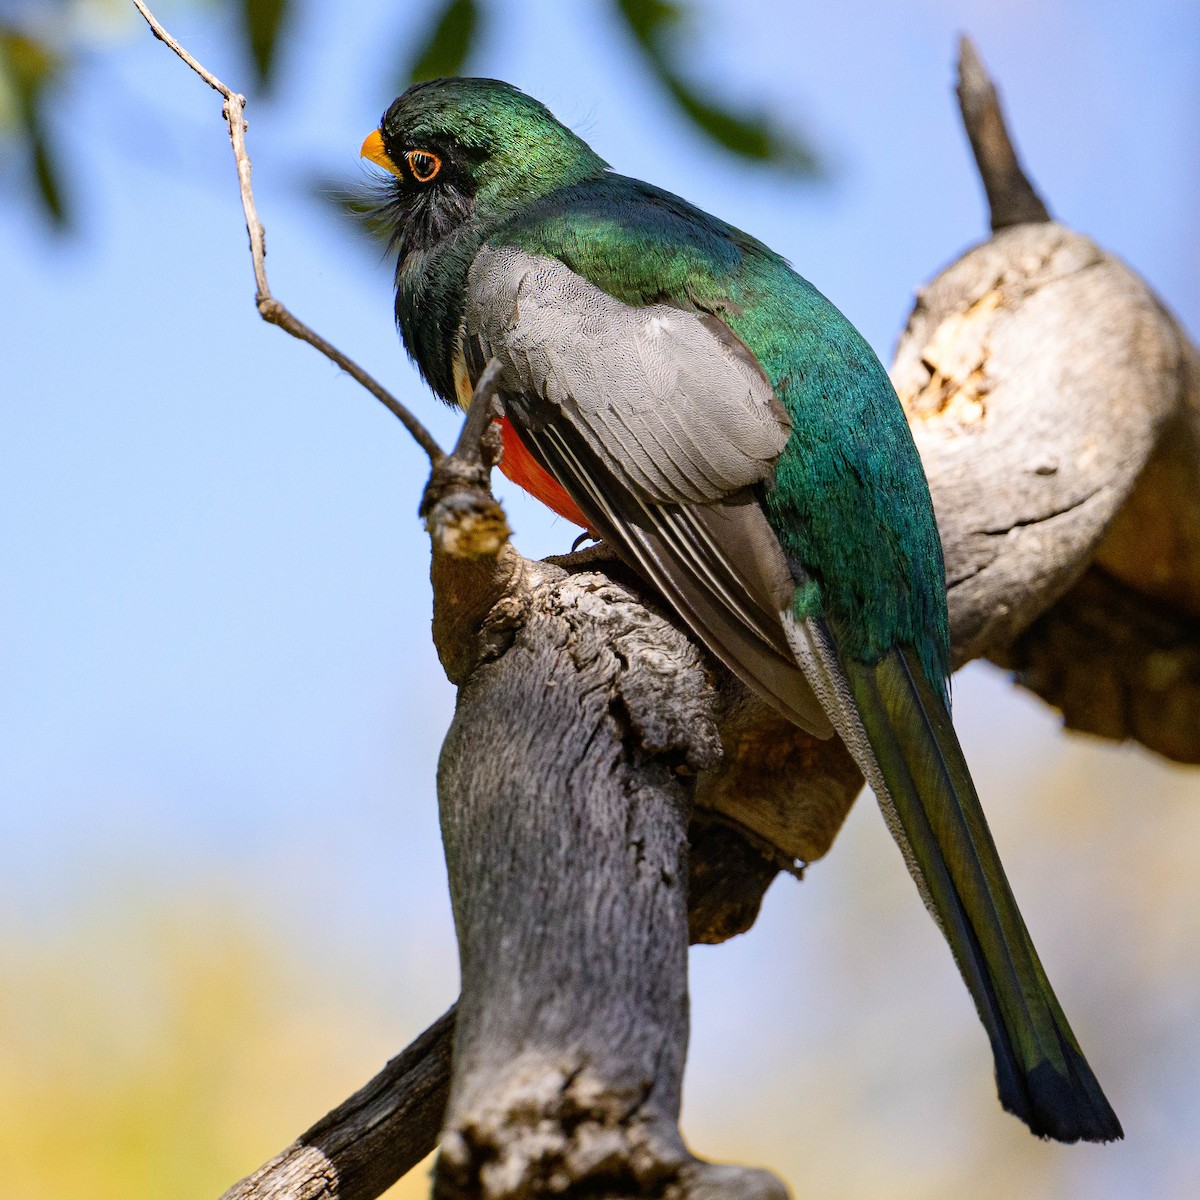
<point x="718" y="565"/>
<point x="658" y="422"/>
<point x="693" y="418"/>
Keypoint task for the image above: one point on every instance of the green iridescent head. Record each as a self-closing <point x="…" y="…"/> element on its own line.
<point x="459" y="147"/>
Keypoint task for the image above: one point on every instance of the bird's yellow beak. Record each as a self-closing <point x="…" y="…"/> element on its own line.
<point x="372" y="149"/>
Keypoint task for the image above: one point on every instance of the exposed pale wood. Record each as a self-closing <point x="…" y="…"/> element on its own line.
<point x="1039" y="375"/>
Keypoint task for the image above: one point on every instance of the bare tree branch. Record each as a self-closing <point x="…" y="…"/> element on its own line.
<point x="1056" y="407"/>
<point x="270" y="309"/>
<point x="357" y="1151"/>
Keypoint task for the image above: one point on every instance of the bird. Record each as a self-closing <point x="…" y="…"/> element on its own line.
<point x="672" y="385"/>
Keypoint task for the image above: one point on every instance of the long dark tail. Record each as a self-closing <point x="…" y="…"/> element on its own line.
<point x="897" y="727"/>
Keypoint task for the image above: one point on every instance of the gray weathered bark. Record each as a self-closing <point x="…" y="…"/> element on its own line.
<point x="566" y="843"/>
<point x="1056" y="405"/>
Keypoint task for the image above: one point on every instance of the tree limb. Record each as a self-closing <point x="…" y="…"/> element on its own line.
<point x="1056" y="405"/>
<point x="357" y="1151"/>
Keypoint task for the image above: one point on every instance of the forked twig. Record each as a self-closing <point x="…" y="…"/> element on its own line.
<point x="270" y="309"/>
<point x="470" y="445"/>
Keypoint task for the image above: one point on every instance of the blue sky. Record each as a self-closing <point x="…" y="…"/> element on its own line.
<point x="215" y="668"/>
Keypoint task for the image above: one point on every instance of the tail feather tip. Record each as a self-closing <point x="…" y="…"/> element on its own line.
<point x="1069" y="1108"/>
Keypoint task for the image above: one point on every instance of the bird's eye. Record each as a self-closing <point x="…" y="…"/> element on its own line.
<point x="424" y="164"/>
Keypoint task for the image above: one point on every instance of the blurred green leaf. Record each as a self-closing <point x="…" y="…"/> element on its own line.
<point x="648" y="20"/>
<point x="655" y="25"/>
<point x="48" y="177"/>
<point x="32" y="69"/>
<point x="750" y="135"/>
<point x="262" y="23"/>
<point x="446" y="46"/>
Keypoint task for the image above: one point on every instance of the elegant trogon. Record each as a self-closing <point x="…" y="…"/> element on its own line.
<point x="671" y="384"/>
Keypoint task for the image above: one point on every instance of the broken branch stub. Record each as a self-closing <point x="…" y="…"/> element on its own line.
<point x="1039" y="375"/>
<point x="1011" y="197"/>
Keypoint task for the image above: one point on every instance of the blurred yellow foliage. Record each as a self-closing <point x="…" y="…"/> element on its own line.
<point x="164" y="1055"/>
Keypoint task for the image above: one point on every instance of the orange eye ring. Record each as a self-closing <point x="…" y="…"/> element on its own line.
<point x="423" y="164"/>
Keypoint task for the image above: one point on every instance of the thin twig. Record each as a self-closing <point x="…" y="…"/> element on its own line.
<point x="164" y="37"/>
<point x="270" y="309"/>
<point x="461" y="514"/>
<point x="469" y="447"/>
<point x="466" y="470"/>
<point x="1011" y="197"/>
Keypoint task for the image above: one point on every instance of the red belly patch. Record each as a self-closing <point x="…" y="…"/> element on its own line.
<point x="521" y="467"/>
